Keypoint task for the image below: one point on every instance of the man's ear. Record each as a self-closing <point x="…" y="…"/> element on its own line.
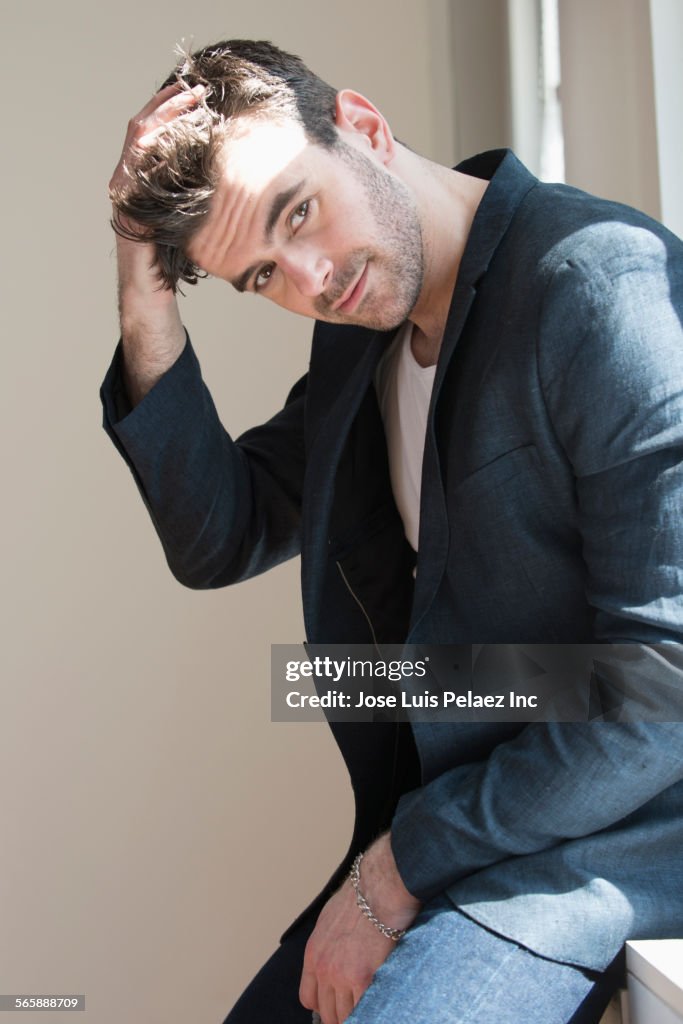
<point x="363" y="126"/>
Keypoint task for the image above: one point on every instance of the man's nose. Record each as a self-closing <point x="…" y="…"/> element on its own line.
<point x="310" y="272"/>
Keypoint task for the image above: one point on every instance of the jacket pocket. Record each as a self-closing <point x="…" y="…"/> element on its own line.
<point x="497" y="471"/>
<point x="375" y="563"/>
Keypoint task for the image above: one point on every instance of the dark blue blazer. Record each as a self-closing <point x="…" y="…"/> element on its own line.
<point x="551" y="508"/>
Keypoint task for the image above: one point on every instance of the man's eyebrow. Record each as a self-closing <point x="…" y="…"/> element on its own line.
<point x="278" y="204"/>
<point x="280" y="201"/>
<point x="241" y="282"/>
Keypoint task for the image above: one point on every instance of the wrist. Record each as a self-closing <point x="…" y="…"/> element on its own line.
<point x="383" y="886"/>
<point x="138" y="274"/>
<point x="151" y="327"/>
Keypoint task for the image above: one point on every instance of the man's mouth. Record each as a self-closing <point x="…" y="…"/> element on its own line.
<point x="353" y="294"/>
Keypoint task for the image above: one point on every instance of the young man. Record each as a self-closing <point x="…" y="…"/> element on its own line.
<point x="487" y="449"/>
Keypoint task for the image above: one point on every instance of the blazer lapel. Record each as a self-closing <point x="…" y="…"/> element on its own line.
<point x="347" y="359"/>
<point x="509" y="183"/>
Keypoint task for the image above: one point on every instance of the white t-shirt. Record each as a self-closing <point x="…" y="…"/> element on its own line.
<point x="404" y="389"/>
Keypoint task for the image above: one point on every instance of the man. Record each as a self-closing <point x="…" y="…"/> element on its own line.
<point x="506" y="467"/>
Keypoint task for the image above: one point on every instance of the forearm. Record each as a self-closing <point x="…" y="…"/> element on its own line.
<point x="224" y="510"/>
<point x="151" y="330"/>
<point x="552" y="783"/>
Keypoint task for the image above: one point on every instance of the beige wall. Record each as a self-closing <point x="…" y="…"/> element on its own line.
<point x="157" y="830"/>
<point x="608" y="101"/>
<point x="479" y="33"/>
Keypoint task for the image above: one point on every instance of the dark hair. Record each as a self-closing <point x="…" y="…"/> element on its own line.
<point x="170" y="186"/>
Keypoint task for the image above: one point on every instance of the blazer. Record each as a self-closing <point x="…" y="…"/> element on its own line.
<point x="550" y="513"/>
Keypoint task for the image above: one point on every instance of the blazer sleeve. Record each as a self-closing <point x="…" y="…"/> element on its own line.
<point x="610" y="365"/>
<point x="224" y="509"/>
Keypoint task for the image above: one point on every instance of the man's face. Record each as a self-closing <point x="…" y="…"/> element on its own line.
<point x="329" y="234"/>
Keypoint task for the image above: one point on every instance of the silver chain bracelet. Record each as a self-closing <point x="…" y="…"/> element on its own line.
<point x="354" y="875"/>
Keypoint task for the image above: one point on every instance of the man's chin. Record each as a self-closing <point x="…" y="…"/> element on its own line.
<point x="370" y="320"/>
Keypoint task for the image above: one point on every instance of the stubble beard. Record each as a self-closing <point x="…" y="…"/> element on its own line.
<point x="396" y="267"/>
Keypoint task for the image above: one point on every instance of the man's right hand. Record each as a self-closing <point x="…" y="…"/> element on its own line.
<point x="164" y="107"/>
<point x="151" y="330"/>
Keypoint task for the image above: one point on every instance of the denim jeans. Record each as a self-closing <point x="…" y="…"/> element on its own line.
<point x="446" y="970"/>
<point x="450" y="970"/>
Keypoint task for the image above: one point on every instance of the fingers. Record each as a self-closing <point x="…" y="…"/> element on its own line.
<point x="327" y="1005"/>
<point x="155" y="115"/>
<point x="169" y="100"/>
<point x="345" y="1004"/>
<point x="157" y="99"/>
<point x="159" y="111"/>
<point x="333" y="1004"/>
<point x="308" y="989"/>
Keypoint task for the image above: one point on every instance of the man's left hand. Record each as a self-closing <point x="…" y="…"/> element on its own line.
<point x="346" y="948"/>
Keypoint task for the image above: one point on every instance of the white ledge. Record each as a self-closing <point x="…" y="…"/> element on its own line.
<point x="658" y="965"/>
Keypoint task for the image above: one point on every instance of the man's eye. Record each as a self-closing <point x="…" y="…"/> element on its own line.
<point x="263" y="277"/>
<point x="299" y="215"/>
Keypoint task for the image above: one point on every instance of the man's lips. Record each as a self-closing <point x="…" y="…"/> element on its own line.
<point x="353" y="294"/>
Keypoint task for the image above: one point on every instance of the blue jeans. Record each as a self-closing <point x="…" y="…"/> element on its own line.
<point x="446" y="970"/>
